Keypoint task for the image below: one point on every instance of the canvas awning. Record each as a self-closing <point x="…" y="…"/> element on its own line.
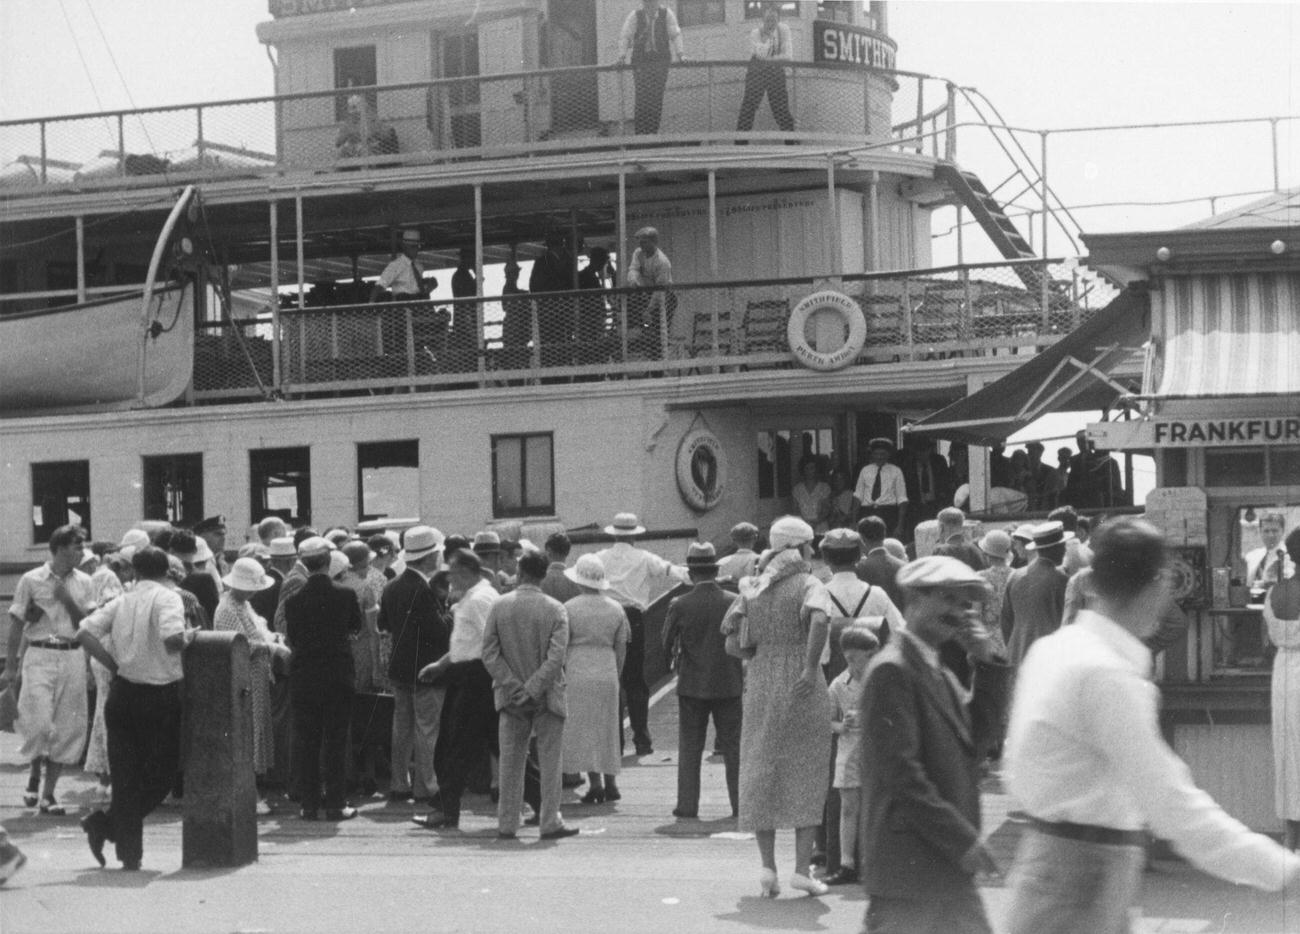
<point x="1072" y="375"/>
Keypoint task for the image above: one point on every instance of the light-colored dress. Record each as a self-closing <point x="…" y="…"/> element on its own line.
<point x="106" y="587"/>
<point x="997" y="576"/>
<point x="785" y="742"/>
<point x="598" y="636"/>
<point x="235" y="616"/>
<point x="1285" y="634"/>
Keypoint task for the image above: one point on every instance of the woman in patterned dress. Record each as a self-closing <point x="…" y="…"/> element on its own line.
<point x="780" y="624"/>
<point x="234" y="614"/>
<point x="110" y="580"/>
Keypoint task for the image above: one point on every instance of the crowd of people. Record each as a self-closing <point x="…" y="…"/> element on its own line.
<point x="857" y="697"/>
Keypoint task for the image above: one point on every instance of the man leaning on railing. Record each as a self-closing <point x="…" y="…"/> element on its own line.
<point x="650" y="41"/>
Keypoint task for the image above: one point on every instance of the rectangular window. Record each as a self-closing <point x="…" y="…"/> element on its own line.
<point x="701" y="12"/>
<point x="354" y="68"/>
<point x="754" y="8"/>
<point x="60" y="496"/>
<point x="523" y="475"/>
<point x="173" y="488"/>
<point x="839" y="11"/>
<point x="388" y="479"/>
<point x="1284" y="467"/>
<point x="1234" y="467"/>
<point x="280" y="481"/>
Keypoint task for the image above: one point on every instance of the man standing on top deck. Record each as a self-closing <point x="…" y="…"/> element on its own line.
<point x="630" y="572"/>
<point x="1086" y="758"/>
<point x="881" y="489"/>
<point x="650" y="41"/>
<point x="770" y="46"/>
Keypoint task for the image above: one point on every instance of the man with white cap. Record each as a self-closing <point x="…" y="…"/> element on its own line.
<point x="632" y="574"/>
<point x="1086" y="758"/>
<point x="882" y="489"/>
<point x="416" y="618"/>
<point x="1035" y="597"/>
<point x="922" y="740"/>
<point x="319" y="622"/>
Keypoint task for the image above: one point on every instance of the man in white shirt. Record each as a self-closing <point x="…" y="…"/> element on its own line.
<point x="1086" y="759"/>
<point x="470" y="715"/>
<point x="650" y="41"/>
<point x="631" y="572"/>
<point x="403" y="279"/>
<point x="651" y="269"/>
<point x="146" y="629"/>
<point x="1269" y="563"/>
<point x="770" y="45"/>
<point x="882" y="489"/>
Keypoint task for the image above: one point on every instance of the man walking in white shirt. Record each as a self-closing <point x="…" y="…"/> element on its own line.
<point x="1086" y="759"/>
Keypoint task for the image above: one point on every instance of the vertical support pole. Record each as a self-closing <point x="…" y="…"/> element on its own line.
<point x="873" y="200"/>
<point x="1277" y="184"/>
<point x="620" y="280"/>
<point x="302" y="270"/>
<point x="978" y="459"/>
<point x="920" y="113"/>
<point x="198" y="141"/>
<point x="277" y="373"/>
<point x="833" y="232"/>
<point x="121" y="145"/>
<point x="81" y="259"/>
<point x="1043" y="271"/>
<point x="950" y="116"/>
<point x="44" y="172"/>
<point x="907" y="319"/>
<point x="713" y="254"/>
<point x="478" y="265"/>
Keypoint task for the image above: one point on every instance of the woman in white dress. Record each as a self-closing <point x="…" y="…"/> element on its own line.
<point x="1282" y="616"/>
<point x="598" y="636"/>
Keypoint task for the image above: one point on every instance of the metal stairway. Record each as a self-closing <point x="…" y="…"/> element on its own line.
<point x="974" y="197"/>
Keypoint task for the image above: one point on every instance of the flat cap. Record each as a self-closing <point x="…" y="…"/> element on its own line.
<point x="938" y="571"/>
<point x="841" y="540"/>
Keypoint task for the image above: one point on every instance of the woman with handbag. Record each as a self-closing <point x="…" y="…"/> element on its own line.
<point x="779" y="624"/>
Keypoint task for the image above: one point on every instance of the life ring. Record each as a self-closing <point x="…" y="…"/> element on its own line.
<point x="701" y="469"/>
<point x="840" y="304"/>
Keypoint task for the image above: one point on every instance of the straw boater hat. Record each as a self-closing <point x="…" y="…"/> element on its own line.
<point x="421" y="540"/>
<point x="310" y="547"/>
<point x="282" y="547"/>
<point x="588" y="571"/>
<point x="625" y="523"/>
<point x="996" y="543"/>
<point x="247" y="574"/>
<point x="702" y="556"/>
<point x="1049" y="534"/>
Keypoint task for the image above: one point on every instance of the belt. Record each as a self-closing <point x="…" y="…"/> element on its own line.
<point x="54" y="644"/>
<point x="1090" y="833"/>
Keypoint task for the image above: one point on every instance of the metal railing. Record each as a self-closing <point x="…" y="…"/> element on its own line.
<point x="486" y="116"/>
<point x="692" y="329"/>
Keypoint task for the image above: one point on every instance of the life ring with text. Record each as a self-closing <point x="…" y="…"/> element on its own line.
<point x="701" y="469"/>
<point x="817" y="303"/>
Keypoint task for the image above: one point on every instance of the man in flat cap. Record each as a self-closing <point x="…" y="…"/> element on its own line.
<point x="882" y="489"/>
<point x="650" y="269"/>
<point x="922" y="741"/>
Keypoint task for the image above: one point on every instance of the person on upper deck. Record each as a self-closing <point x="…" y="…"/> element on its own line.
<point x="770" y="46"/>
<point x="650" y="41"/>
<point x="362" y="133"/>
<point x="650" y="267"/>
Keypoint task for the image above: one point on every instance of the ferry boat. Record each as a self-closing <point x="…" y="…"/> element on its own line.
<point x="806" y="314"/>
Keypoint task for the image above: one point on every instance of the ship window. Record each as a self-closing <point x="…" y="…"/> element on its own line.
<point x="354" y="68"/>
<point x="60" y="496"/>
<point x="388" y="479"/>
<point x="1234" y="467"/>
<point x="173" y="488"/>
<point x="280" y="479"/>
<point x="839" y="11"/>
<point x="701" y="12"/>
<point x="523" y="475"/>
<point x="1284" y="467"/>
<point x="754" y="8"/>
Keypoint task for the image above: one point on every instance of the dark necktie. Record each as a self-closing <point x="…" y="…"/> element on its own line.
<point x="875" y="486"/>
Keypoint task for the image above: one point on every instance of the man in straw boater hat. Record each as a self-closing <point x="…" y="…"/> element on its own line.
<point x="632" y="573"/>
<point x="709" y="681"/>
<point x="1086" y="758"/>
<point x="1035" y="596"/>
<point x="881" y="489"/>
<point x="922" y="741"/>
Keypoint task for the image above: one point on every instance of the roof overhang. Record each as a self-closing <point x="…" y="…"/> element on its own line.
<point x="1131" y="257"/>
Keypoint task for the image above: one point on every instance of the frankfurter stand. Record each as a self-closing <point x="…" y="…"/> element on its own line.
<point x="1219" y="411"/>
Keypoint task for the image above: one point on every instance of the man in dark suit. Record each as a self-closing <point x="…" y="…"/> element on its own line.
<point x="319" y="619"/>
<point x="709" y="681"/>
<point x="877" y="566"/>
<point x="1035" y="597"/>
<point x="928" y="478"/>
<point x="921" y="747"/>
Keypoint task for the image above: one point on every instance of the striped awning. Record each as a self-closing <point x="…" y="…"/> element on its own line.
<point x="1236" y="334"/>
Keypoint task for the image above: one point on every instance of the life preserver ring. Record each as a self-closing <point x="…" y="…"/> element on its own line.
<point x="840" y="304"/>
<point x="701" y="469"/>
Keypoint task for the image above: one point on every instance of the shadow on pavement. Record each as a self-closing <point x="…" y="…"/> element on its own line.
<point x="108" y="879"/>
<point x="685" y="827"/>
<point x="786" y="913"/>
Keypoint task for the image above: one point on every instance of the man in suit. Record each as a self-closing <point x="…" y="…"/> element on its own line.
<point x="953" y="542"/>
<point x="709" y="681"/>
<point x="1035" y="598"/>
<point x="415" y="618"/>
<point x="928" y="478"/>
<point x="524" y="643"/>
<point x="920" y="761"/>
<point x="320" y="620"/>
<point x="878" y="567"/>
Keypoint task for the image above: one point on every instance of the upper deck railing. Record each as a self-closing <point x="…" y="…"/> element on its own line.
<point x="915" y="315"/>
<point x="556" y="110"/>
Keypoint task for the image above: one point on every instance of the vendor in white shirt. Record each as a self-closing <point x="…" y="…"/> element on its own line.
<point x="1086" y="759"/>
<point x="881" y="489"/>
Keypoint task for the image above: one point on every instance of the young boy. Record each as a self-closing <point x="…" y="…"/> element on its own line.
<point x="859" y="644"/>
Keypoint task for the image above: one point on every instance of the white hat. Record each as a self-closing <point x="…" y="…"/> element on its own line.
<point x="789" y="531"/>
<point x="254" y="550"/>
<point x="625" y="523"/>
<point x="283" y="547"/>
<point x="938" y="571"/>
<point x="896" y="548"/>
<point x="421" y="540"/>
<point x="338" y="563"/>
<point x="315" y="545"/>
<point x="202" y="550"/>
<point x="1047" y="535"/>
<point x="135" y="538"/>
<point x="247" y="574"/>
<point x="588" y="572"/>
